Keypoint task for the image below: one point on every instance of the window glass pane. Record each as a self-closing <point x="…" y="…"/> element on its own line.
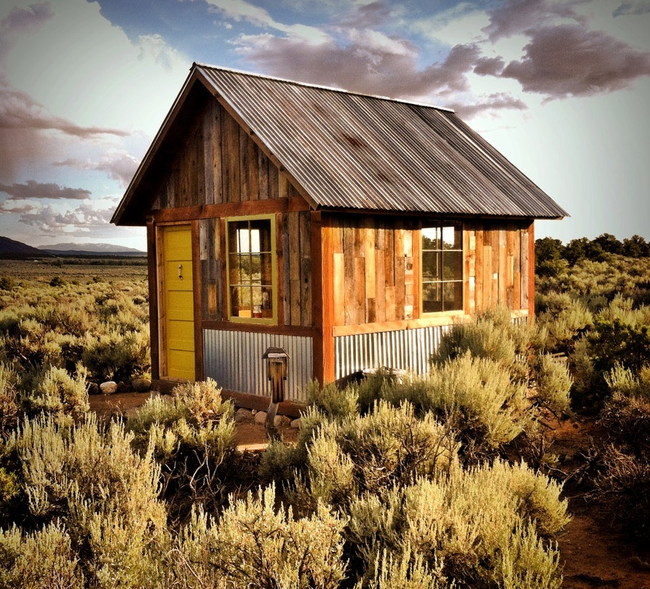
<point x="430" y="266"/>
<point x="453" y="296"/>
<point x="250" y="264"/>
<point x="452" y="266"/>
<point x="448" y="238"/>
<point x="432" y="298"/>
<point x="430" y="238"/>
<point x="266" y="269"/>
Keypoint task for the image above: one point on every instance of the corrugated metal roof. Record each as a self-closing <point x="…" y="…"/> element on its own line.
<point x="355" y="151"/>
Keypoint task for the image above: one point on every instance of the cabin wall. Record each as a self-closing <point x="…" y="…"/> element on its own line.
<point x="372" y="270"/>
<point x="216" y="173"/>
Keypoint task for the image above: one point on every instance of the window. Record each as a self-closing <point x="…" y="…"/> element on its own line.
<point x="251" y="269"/>
<point x="442" y="267"/>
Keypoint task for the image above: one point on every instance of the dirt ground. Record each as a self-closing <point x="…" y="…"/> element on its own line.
<point x="593" y="553"/>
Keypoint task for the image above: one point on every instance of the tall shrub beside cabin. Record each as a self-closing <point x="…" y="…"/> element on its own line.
<point x="347" y="230"/>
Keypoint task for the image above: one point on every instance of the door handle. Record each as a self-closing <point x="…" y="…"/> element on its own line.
<point x="180" y="271"/>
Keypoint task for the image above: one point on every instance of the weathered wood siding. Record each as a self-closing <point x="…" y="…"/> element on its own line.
<point x="375" y="265"/>
<point x="497" y="265"/>
<point x="373" y="270"/>
<point x="219" y="164"/>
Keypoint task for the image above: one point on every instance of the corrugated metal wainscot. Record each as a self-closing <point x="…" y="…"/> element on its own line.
<point x="234" y="360"/>
<point x="407" y="349"/>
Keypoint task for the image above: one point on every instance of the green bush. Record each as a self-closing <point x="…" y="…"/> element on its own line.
<point x="192" y="436"/>
<point x="106" y="494"/>
<point x="117" y="356"/>
<point x="54" y="391"/>
<point x="475" y="396"/>
<point x="43" y="559"/>
<point x="389" y="446"/>
<point x="479" y="528"/>
<point x="256" y="544"/>
<point x="553" y="384"/>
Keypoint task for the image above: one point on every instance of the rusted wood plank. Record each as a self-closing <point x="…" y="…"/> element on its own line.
<point x="531" y="271"/>
<point x="286" y="270"/>
<point x="369" y="255"/>
<point x="348" y="257"/>
<point x="208" y="154"/>
<point x="480" y="271"/>
<point x="217" y="156"/>
<point x="325" y="372"/>
<point x="200" y="171"/>
<point x="263" y="174"/>
<point x="524" y="269"/>
<point x="338" y="289"/>
<point x="417" y="260"/>
<point x="495" y="267"/>
<point x="503" y="266"/>
<point x="283" y="185"/>
<point x="274" y="182"/>
<point x="231" y="160"/>
<point x="360" y="289"/>
<point x="380" y="271"/>
<point x="305" y="270"/>
<point x="516" y="277"/>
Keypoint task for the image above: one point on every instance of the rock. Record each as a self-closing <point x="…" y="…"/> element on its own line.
<point x="260" y="417"/>
<point x="109" y="387"/>
<point x="92" y="388"/>
<point x="281" y="421"/>
<point x="296" y="423"/>
<point x="242" y="415"/>
<point x="141" y="385"/>
<point x="122" y="387"/>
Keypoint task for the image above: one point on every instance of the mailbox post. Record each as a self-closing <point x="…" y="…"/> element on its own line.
<point x="276" y="372"/>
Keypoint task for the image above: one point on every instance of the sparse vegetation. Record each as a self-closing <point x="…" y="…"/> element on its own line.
<point x="438" y="482"/>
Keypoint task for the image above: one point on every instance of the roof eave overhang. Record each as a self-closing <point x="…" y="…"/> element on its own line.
<point x="121" y="215"/>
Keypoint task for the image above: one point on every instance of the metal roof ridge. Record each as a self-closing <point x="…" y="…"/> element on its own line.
<point x="321" y="87"/>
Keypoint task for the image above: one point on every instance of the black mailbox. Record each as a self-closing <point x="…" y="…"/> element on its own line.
<point x="276" y="371"/>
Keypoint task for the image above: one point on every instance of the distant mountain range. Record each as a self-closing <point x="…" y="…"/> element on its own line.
<point x="90" y="249"/>
<point x="10" y="248"/>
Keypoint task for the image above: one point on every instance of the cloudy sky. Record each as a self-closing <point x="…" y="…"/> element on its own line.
<point x="561" y="87"/>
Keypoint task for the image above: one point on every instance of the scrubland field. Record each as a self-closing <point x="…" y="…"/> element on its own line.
<point x="471" y="477"/>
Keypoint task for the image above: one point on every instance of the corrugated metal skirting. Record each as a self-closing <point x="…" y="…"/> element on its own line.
<point x="401" y="350"/>
<point x="234" y="360"/>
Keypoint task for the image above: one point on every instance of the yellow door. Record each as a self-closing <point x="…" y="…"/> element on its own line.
<point x="179" y="302"/>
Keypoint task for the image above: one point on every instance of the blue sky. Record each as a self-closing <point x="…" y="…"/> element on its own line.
<point x="561" y="87"/>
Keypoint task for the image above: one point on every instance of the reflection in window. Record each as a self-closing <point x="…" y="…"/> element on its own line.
<point x="250" y="269"/>
<point x="442" y="267"/>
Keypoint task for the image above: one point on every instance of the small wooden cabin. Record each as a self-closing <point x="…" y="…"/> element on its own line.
<point x="349" y="230"/>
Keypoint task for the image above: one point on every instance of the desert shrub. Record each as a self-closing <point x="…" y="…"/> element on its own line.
<point x="561" y="321"/>
<point x="624" y="482"/>
<point x="482" y="528"/>
<point x="116" y="355"/>
<point x="9" y="407"/>
<point x="255" y="544"/>
<point x="54" y="391"/>
<point x="331" y="400"/>
<point x="371" y="453"/>
<point x="483" y="339"/>
<point x="475" y="396"/>
<point x="192" y="436"/>
<point x="553" y="384"/>
<point x="406" y="571"/>
<point x="106" y="495"/>
<point x="43" y="559"/>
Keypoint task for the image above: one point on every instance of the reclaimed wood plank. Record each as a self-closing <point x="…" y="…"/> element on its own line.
<point x="305" y="270"/>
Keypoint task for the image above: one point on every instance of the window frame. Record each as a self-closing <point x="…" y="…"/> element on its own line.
<point x="229" y="224"/>
<point x="441" y="224"/>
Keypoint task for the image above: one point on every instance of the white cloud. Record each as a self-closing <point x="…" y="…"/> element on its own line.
<point x="241" y="10"/>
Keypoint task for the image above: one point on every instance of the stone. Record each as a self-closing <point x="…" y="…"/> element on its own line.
<point x="108" y="388"/>
<point x="92" y="388"/>
<point x="281" y="421"/>
<point x="260" y="417"/>
<point x="243" y="415"/>
<point x="122" y="387"/>
<point x="141" y="385"/>
<point x="296" y="423"/>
